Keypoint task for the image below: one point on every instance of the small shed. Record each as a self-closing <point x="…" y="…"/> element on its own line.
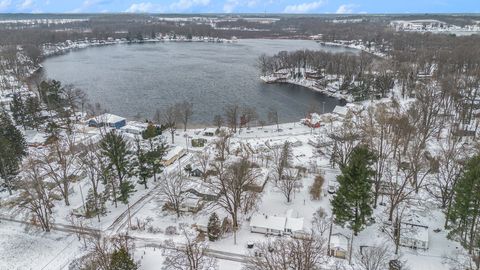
<point x="414" y="236"/>
<point x="338" y="245"/>
<point x="107" y="119"/>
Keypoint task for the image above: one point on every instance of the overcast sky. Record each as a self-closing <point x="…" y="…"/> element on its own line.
<point x="242" y="6"/>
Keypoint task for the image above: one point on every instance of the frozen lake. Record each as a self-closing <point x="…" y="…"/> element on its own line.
<point x="135" y="80"/>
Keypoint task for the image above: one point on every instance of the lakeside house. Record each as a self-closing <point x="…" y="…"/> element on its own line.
<point x="107" y="119"/>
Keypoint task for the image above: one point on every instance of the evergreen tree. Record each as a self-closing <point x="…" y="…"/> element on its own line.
<point x="115" y="148"/>
<point x="51" y="94"/>
<point x="151" y="132"/>
<point x="12" y="150"/>
<point x="143" y="167"/>
<point x="17" y="108"/>
<point x="214" y="227"/>
<point x="33" y="110"/>
<point x="121" y="260"/>
<point x="154" y="159"/>
<point x="465" y="212"/>
<point x="353" y="202"/>
<point x="95" y="205"/>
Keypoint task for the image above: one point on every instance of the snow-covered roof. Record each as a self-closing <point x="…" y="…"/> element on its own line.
<point x="107" y="118"/>
<point x="340" y="110"/>
<point x="269" y="222"/>
<point x="176" y="150"/>
<point x="294" y="224"/>
<point x="417" y="232"/>
<point x="339" y="241"/>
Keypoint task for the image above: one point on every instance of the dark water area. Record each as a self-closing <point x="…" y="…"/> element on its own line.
<point x="135" y="80"/>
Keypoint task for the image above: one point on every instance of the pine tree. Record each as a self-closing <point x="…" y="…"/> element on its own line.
<point x="115" y="148"/>
<point x="214" y="227"/>
<point x="126" y="188"/>
<point x="143" y="167"/>
<point x="465" y="212"/>
<point x="154" y="159"/>
<point x="12" y="150"/>
<point x="33" y="109"/>
<point x="121" y="260"/>
<point x="17" y="107"/>
<point x="353" y="202"/>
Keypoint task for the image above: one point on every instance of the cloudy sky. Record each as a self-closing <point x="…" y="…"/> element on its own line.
<point x="241" y="6"/>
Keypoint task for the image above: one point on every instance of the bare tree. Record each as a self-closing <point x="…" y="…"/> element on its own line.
<point x="170" y="117"/>
<point x="345" y="138"/>
<point x="218" y="121"/>
<point x="372" y="257"/>
<point x="249" y="114"/>
<point x="172" y="191"/>
<point x="306" y="253"/>
<point x="36" y="194"/>
<point x="320" y="222"/>
<point x="282" y="157"/>
<point x="92" y="164"/>
<point x="231" y="184"/>
<point x="203" y="159"/>
<point x="61" y="163"/>
<point x="449" y="170"/>
<point x="222" y="146"/>
<point x="273" y="117"/>
<point x="192" y="255"/>
<point x="287" y="183"/>
<point x="185" y="112"/>
<point x="231" y="115"/>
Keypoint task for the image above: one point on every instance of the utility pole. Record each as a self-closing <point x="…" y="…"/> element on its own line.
<point x="351" y="250"/>
<point x="330" y="236"/>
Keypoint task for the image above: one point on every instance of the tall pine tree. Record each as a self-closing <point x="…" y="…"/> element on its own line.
<point x="121" y="260"/>
<point x="352" y="204"/>
<point x="12" y="150"/>
<point x="465" y="212"/>
<point x="115" y="148"/>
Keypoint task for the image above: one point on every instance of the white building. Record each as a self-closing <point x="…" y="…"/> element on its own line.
<point x="276" y="225"/>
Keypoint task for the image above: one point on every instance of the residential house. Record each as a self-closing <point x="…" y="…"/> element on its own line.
<point x="107" y="119"/>
<point x="276" y="225"/>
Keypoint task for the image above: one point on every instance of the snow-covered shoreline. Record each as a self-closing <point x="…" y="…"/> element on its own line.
<point x="310" y="84"/>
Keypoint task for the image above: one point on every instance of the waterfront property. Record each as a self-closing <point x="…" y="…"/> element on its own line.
<point x="107" y="119"/>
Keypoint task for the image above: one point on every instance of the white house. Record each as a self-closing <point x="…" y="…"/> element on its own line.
<point x="414" y="236"/>
<point x="276" y="225"/>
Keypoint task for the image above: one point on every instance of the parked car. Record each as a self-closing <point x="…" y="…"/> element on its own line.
<point x="332" y="189"/>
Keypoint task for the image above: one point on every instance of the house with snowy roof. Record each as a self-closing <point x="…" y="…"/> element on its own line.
<point x="338" y="245"/>
<point x="276" y="225"/>
<point x="107" y="119"/>
<point x="414" y="236"/>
